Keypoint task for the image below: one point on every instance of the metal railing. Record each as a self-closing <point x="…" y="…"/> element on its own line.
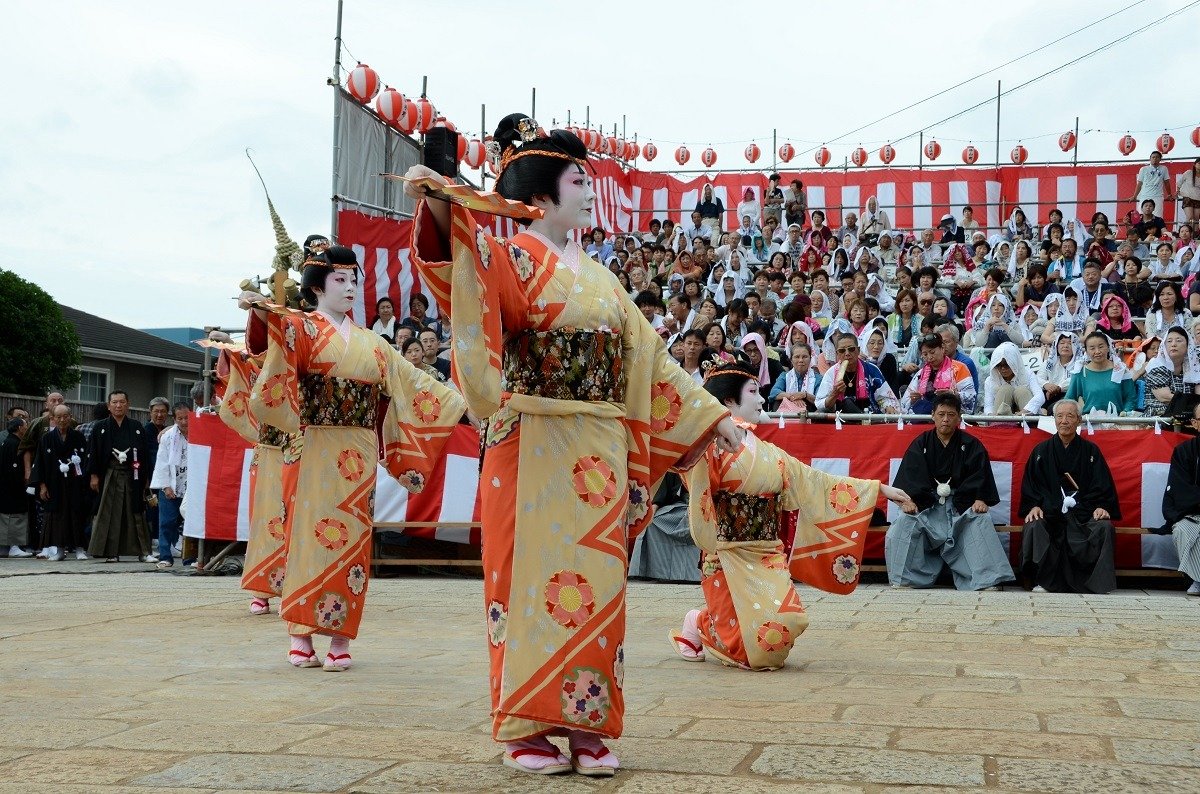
<point x="1026" y="419"/>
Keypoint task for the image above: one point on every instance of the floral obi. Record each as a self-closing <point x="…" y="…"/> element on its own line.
<point x="741" y="517"/>
<point x="337" y="402"/>
<point x="269" y="436"/>
<point x="565" y="365"/>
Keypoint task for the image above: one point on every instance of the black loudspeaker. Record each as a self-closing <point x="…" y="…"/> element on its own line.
<point x="441" y="151"/>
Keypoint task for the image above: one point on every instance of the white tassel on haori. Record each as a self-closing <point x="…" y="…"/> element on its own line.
<point x="1068" y="501"/>
<point x="943" y="491"/>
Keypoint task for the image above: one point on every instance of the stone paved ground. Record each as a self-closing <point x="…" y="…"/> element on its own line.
<point x="140" y="682"/>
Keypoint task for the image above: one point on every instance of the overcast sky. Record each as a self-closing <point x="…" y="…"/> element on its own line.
<point x="125" y="192"/>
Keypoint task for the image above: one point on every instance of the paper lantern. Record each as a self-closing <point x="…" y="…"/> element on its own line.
<point x="1019" y="154"/>
<point x="859" y="156"/>
<point x="426" y="114"/>
<point x="682" y="155"/>
<point x="787" y="152"/>
<point x="650" y="151"/>
<point x="622" y="149"/>
<point x="462" y="148"/>
<point x="1126" y="145"/>
<point x="1196" y="137"/>
<point x="442" y="121"/>
<point x="389" y="105"/>
<point x="933" y="150"/>
<point x="1166" y="142"/>
<point x="753" y="153"/>
<point x="708" y="157"/>
<point x="821" y="156"/>
<point x="594" y="140"/>
<point x="970" y="155"/>
<point x="363" y="83"/>
<point x="407" y="121"/>
<point x="887" y="154"/>
<point x="1066" y="141"/>
<point x="610" y="145"/>
<point x="475" y="153"/>
<point x="634" y="150"/>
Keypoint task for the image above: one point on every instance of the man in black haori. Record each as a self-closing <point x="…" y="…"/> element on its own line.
<point x="61" y="484"/>
<point x="117" y="464"/>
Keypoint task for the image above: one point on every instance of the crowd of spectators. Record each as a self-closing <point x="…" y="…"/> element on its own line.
<point x="39" y="507"/>
<point x="862" y="317"/>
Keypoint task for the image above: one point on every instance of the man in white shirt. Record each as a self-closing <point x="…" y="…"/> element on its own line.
<point x="170" y="480"/>
<point x="651" y="307"/>
<point x="1152" y="182"/>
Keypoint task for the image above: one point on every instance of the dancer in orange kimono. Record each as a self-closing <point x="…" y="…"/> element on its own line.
<point x="587" y="413"/>
<point x="753" y="614"/>
<point x="271" y="483"/>
<point x="324" y="376"/>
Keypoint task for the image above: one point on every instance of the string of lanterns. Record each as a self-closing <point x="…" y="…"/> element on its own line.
<point x="419" y="116"/>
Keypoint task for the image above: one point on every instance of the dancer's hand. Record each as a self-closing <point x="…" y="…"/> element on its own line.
<point x="729" y="435"/>
<point x="440" y="210"/>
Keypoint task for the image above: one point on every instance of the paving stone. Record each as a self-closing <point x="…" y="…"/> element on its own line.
<point x="675" y="755"/>
<point x="830" y="734"/>
<point x="1121" y="726"/>
<point x="660" y="783"/>
<point x="85" y="765"/>
<point x="425" y="776"/>
<point x="811" y="763"/>
<point x="1004" y="743"/>
<point x="767" y="710"/>
<point x="1072" y="776"/>
<point x="945" y="717"/>
<point x="226" y="736"/>
<point x="285" y="772"/>
<point x="25" y="729"/>
<point x="404" y="744"/>
<point x="1161" y="709"/>
<point x="1158" y="751"/>
<point x="1040" y="704"/>
<point x="935" y="683"/>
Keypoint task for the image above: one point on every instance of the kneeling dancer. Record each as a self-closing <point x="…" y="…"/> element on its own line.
<point x="752" y="614"/>
<point x="948" y="477"/>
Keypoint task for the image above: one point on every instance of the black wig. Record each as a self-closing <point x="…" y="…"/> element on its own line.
<point x="527" y="177"/>
<point x="728" y="381"/>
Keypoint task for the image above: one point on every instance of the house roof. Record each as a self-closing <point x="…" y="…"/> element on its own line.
<point x="123" y="343"/>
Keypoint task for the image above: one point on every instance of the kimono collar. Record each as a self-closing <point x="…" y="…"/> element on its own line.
<point x="342" y="328"/>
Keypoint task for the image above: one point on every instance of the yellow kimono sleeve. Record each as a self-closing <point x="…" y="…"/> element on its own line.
<point x="421" y="415"/>
<point x="833" y="514"/>
<point x="667" y="414"/>
<point x="275" y="398"/>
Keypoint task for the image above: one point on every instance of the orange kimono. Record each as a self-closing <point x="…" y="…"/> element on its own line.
<point x="271" y="484"/>
<point x="752" y="613"/>
<point x="587" y="412"/>
<point x="326" y="382"/>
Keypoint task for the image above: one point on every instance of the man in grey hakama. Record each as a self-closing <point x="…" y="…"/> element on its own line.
<point x="1069" y="501"/>
<point x="116" y="462"/>
<point x="1181" y="505"/>
<point x="945" y="523"/>
<point x="14" y="503"/>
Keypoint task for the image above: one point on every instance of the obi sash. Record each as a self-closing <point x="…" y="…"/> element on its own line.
<point x="337" y="402"/>
<point x="565" y="365"/>
<point x="742" y="517"/>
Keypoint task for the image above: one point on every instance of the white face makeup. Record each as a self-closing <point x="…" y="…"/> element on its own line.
<point x="575" y="200"/>
<point x="749" y="408"/>
<point x="341" y="288"/>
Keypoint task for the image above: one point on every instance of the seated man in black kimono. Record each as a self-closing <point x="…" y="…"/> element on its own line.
<point x="1069" y="501"/>
<point x="1181" y="505"/>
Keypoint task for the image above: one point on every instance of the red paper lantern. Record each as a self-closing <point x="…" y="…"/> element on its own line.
<point x="933" y="150"/>
<point x="1066" y="141"/>
<point x="622" y="149"/>
<point x="1019" y="154"/>
<point x="859" y="156"/>
<point x="426" y="114"/>
<point x="594" y="140"/>
<point x="610" y="145"/>
<point x="970" y="155"/>
<point x="462" y="148"/>
<point x="442" y="121"/>
<point x="474" y="154"/>
<point x="787" y="152"/>
<point x="708" y="157"/>
<point x="682" y="155"/>
<point x="1126" y="145"/>
<point x="1196" y="137"/>
<point x="634" y="150"/>
<point x="887" y="154"/>
<point x="753" y="153"/>
<point x="1166" y="142"/>
<point x="821" y="156"/>
<point x="389" y="105"/>
<point x="363" y="83"/>
<point x="650" y="151"/>
<point x="407" y="121"/>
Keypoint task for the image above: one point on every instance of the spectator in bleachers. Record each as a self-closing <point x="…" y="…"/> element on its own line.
<point x="1136" y="247"/>
<point x="749" y="208"/>
<point x="1034" y="288"/>
<point x="951" y="231"/>
<point x="1144" y="358"/>
<point x="951" y="334"/>
<point x="768" y="316"/>
<point x="1168" y="310"/>
<point x="945" y="523"/>
<point x="754" y="346"/>
<point x="1011" y="387"/>
<point x="1029" y="324"/>
<point x="939" y="373"/>
<point x="1061" y="314"/>
<point x="1069" y="502"/>
<point x="887" y="253"/>
<point x="968" y="223"/>
<point x="1017" y="227"/>
<point x="1181" y="505"/>
<point x="1133" y="288"/>
<point x="384" y="323"/>
<point x="848" y="231"/>
<point x="877" y="348"/>
<point x="795" y="202"/>
<point x="1104" y="383"/>
<point x="1064" y="357"/>
<point x="904" y="322"/>
<point x="931" y="250"/>
<point x="716" y="340"/>
<point x="1090" y="287"/>
<point x="1174" y="371"/>
<point x="1165" y="264"/>
<point x="1153" y="182"/>
<point x="795" y="390"/>
<point x="1149" y="225"/>
<point x="873" y="222"/>
<point x="1185" y="238"/>
<point x="1188" y="189"/>
<point x="694" y="345"/>
<point x="711" y="210"/>
<point x="853" y="385"/>
<point x="1116" y="322"/>
<point x="734" y="321"/>
<point x="995" y="324"/>
<point x="773" y="200"/>
<point x="822" y="311"/>
<point x="430" y="346"/>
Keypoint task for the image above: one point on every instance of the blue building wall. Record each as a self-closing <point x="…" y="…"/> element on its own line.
<point x="180" y="336"/>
